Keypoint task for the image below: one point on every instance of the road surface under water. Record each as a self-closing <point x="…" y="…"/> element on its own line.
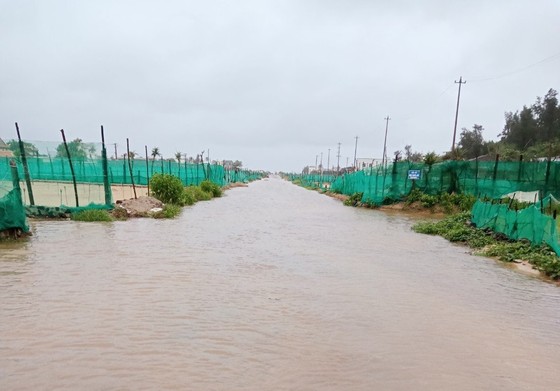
<point x="272" y="287"/>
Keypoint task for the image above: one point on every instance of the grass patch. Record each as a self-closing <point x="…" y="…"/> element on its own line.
<point x="212" y="188"/>
<point x="354" y="200"/>
<point x="456" y="228"/>
<point x="169" y="211"/>
<point x="446" y="202"/>
<point x="92" y="215"/>
<point x="198" y="194"/>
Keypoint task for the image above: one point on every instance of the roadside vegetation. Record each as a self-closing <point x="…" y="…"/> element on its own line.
<point x="417" y="200"/>
<point x="457" y="228"/>
<point x="164" y="187"/>
<point x="92" y="215"/>
<point x="170" y="190"/>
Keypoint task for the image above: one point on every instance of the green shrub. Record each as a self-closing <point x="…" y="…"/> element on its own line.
<point x="413" y="196"/>
<point x="167" y="188"/>
<point x="198" y="194"/>
<point x="169" y="211"/>
<point x="212" y="188"/>
<point x="92" y="215"/>
<point x="354" y="199"/>
<point x="450" y="203"/>
<point x="188" y="197"/>
<point x="428" y="201"/>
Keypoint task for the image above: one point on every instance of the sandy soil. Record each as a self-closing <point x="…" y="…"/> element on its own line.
<point x="139" y="207"/>
<point x="62" y="193"/>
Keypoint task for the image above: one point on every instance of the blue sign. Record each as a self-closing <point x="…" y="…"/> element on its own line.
<point x="414" y="174"/>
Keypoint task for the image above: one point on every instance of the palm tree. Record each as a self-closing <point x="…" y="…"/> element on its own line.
<point x="155" y="153"/>
<point x="178" y="157"/>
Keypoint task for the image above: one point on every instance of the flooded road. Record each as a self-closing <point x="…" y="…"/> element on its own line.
<point x="272" y="287"/>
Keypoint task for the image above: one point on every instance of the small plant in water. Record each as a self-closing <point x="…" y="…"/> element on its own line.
<point x="92" y="215"/>
<point x="354" y="199"/>
<point x="169" y="211"/>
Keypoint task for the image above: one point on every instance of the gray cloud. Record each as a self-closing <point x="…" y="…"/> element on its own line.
<point x="272" y="83"/>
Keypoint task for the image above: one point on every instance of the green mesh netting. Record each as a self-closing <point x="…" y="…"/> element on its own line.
<point x="12" y="212"/>
<point x="315" y="181"/>
<point x="491" y="180"/>
<point x="484" y="179"/>
<point x="528" y="223"/>
<point x="52" y="183"/>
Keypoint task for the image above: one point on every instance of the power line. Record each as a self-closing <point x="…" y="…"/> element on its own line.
<point x="554" y="57"/>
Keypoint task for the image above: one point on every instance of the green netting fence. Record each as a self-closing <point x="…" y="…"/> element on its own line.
<point x="491" y="179"/>
<point x="12" y="211"/>
<point x="315" y="181"/>
<point x="51" y="177"/>
<point x="528" y="223"/>
<point x="484" y="179"/>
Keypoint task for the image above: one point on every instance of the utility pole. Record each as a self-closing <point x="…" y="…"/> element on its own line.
<point x="355" y="151"/>
<point x="116" y="156"/>
<point x="321" y="163"/>
<point x="460" y="82"/>
<point x="329" y="160"/>
<point x="384" y="159"/>
<point x="316" y="159"/>
<point x="338" y="160"/>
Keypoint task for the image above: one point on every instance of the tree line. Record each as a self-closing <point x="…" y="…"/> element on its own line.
<point x="533" y="131"/>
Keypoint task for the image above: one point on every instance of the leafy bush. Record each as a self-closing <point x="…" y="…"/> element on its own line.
<point x="450" y="203"/>
<point x="414" y="196"/>
<point x="428" y="201"/>
<point x="169" y="211"/>
<point x="92" y="215"/>
<point x="198" y="194"/>
<point x="188" y="197"/>
<point x="212" y="188"/>
<point x="354" y="199"/>
<point x="167" y="188"/>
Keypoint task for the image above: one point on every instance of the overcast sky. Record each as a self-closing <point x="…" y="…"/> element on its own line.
<point x="272" y="83"/>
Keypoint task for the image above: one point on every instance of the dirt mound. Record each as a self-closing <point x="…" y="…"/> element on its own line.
<point x="139" y="207"/>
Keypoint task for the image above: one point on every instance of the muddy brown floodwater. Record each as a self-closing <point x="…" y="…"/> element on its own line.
<point x="271" y="287"/>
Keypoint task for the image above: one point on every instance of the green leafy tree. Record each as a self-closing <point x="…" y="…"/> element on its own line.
<point x="155" y="153"/>
<point x="78" y="150"/>
<point x="520" y="129"/>
<point x="412" y="156"/>
<point x="30" y="149"/>
<point x="430" y="159"/>
<point x="547" y="113"/>
<point x="471" y="143"/>
<point x="178" y="156"/>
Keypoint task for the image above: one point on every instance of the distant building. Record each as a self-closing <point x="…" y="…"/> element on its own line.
<point x="310" y="170"/>
<point x="5" y="150"/>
